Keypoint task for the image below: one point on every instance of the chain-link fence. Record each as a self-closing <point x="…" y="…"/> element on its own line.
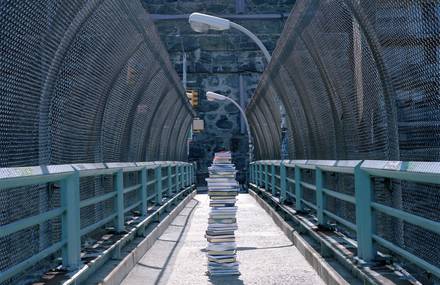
<point x="81" y="82"/>
<point x="360" y="80"/>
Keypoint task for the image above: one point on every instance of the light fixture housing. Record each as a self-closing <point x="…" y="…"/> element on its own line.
<point x="212" y="96"/>
<point x="201" y="23"/>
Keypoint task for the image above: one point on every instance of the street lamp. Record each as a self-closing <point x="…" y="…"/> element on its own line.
<point x="212" y="96"/>
<point x="202" y="23"/>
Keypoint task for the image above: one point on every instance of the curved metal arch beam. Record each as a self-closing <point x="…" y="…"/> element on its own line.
<point x="44" y="139"/>
<point x="275" y="132"/>
<point x="260" y="133"/>
<point x="306" y="105"/>
<point x="327" y="82"/>
<point x="147" y="134"/>
<point x="289" y="111"/>
<point x="171" y="152"/>
<point x="181" y="145"/>
<point x="158" y="132"/>
<point x="271" y="136"/>
<point x="302" y="13"/>
<point x="257" y="147"/>
<point x="149" y="77"/>
<point x="164" y="142"/>
<point x="103" y="102"/>
<point x="385" y="79"/>
<point x="141" y="30"/>
<point x="265" y="132"/>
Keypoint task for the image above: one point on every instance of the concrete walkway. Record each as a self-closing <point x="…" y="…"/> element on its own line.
<point x="265" y="254"/>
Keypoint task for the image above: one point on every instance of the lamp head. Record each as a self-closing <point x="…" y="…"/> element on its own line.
<point x="201" y="23"/>
<point x="212" y="96"/>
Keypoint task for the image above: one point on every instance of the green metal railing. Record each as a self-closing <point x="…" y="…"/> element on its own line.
<point x="283" y="179"/>
<point x="170" y="178"/>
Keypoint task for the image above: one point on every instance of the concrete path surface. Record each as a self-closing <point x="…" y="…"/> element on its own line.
<point x="265" y="254"/>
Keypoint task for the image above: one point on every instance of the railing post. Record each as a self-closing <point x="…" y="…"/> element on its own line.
<point x="283" y="182"/>
<point x="118" y="180"/>
<point x="364" y="218"/>
<point x="70" y="221"/>
<point x="298" y="190"/>
<point x="158" y="177"/>
<point x="266" y="177"/>
<point x="181" y="177"/>
<point x="320" y="198"/>
<point x="170" y="190"/>
<point x="260" y="175"/>
<point x="144" y="195"/>
<point x="176" y="178"/>
<point x="272" y="172"/>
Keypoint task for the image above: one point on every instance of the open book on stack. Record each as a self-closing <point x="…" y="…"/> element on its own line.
<point x="222" y="222"/>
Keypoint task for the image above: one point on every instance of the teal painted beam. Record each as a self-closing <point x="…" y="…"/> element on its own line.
<point x="158" y="188"/>
<point x="70" y="221"/>
<point x="118" y="179"/>
<point x="144" y="191"/>
<point x="298" y="190"/>
<point x="364" y="217"/>
<point x="283" y="182"/>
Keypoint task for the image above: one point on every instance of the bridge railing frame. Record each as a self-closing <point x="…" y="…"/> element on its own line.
<point x="274" y="176"/>
<point x="179" y="176"/>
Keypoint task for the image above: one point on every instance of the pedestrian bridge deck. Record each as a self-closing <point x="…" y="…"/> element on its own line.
<point x="265" y="254"/>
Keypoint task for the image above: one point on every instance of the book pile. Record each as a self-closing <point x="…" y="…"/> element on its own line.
<point x="222" y="191"/>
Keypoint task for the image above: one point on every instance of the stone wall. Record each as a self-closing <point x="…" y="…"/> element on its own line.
<point x="215" y="62"/>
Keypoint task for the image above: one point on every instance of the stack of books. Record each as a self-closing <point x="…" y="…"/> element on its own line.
<point x="222" y="191"/>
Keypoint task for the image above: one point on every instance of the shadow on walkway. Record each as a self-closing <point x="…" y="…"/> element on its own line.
<point x="192" y="204"/>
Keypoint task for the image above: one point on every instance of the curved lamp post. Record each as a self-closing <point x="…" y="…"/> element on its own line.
<point x="212" y="96"/>
<point x="202" y="23"/>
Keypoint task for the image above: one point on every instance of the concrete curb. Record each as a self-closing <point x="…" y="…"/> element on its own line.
<point x="324" y="270"/>
<point x="116" y="276"/>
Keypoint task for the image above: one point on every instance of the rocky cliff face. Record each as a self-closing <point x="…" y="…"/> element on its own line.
<point x="226" y="62"/>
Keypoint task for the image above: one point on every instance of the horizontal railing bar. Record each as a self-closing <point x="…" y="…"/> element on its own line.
<point x="97" y="199"/>
<point x="409" y="256"/>
<point x="32" y="180"/>
<point x="4" y="275"/>
<point x="151" y="197"/>
<point x="290" y="180"/>
<point x="132" y="188"/>
<point x="290" y="194"/>
<point x="420" y="177"/>
<point x="307" y="203"/>
<point x="151" y="182"/>
<point x="97" y="172"/>
<point x="94" y="226"/>
<point x="340" y="220"/>
<point x="164" y="178"/>
<point x="277" y="176"/>
<point x="427" y="224"/>
<point x="277" y="187"/>
<point x="128" y="209"/>
<point x="340" y="196"/>
<point x="29" y="222"/>
<point x="308" y="186"/>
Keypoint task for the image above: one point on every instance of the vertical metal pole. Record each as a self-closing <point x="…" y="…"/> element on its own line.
<point x="364" y="218"/>
<point x="70" y="221"/>
<point x="176" y="178"/>
<point x="266" y="177"/>
<point x="260" y="167"/>
<point x="320" y="198"/>
<point x="158" y="177"/>
<point x="118" y="180"/>
<point x="144" y="202"/>
<point x="283" y="181"/>
<point x="272" y="172"/>
<point x="170" y="190"/>
<point x="298" y="189"/>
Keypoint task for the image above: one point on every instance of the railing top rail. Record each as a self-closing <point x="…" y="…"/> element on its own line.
<point x="21" y="176"/>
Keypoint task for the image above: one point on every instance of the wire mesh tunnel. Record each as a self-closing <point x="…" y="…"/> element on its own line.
<point x="360" y="80"/>
<point x="82" y="82"/>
